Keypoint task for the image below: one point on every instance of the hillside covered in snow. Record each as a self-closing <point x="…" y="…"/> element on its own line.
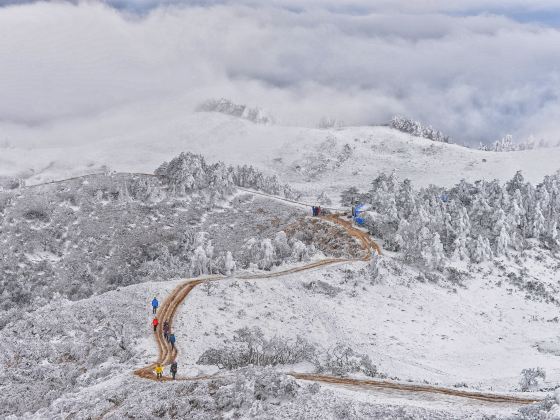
<point x="462" y="299"/>
<point x="311" y="160"/>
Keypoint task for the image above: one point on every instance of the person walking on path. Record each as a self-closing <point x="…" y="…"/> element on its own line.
<point x="159" y="371"/>
<point x="155" y="305"/>
<point x="174" y="368"/>
<point x="172" y="340"/>
<point x="166" y="330"/>
<point x="155" y="323"/>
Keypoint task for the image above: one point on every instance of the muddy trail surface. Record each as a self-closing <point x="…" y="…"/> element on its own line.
<point x="167" y="354"/>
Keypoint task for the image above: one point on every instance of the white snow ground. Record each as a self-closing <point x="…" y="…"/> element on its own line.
<point x="481" y="335"/>
<point x="106" y="388"/>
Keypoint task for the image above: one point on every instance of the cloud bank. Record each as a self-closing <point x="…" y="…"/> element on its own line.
<point x="476" y="75"/>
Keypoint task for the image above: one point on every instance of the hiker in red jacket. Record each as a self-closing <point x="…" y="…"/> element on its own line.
<point x="155" y="323"/>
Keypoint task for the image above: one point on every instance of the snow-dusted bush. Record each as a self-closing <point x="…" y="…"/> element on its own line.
<point x="530" y="378"/>
<point x="507" y="144"/>
<point x="300" y="251"/>
<point x="225" y="106"/>
<point x="11" y="183"/>
<point x="250" y="347"/>
<point x="416" y="128"/>
<point x="326" y="237"/>
<point x="341" y="360"/>
<point x="547" y="409"/>
<point x="322" y="287"/>
<point x="327" y="122"/>
<point x="267" y="253"/>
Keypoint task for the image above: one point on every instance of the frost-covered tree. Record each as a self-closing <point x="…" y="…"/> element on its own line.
<point x="539" y="222"/>
<point x="530" y="378"/>
<point x="437" y="256"/>
<point x="199" y="264"/>
<point x="267" y="254"/>
<point x="502" y="239"/>
<point x="473" y="221"/>
<point x="350" y="197"/>
<point x="417" y="129"/>
<point x="300" y="251"/>
<point x="229" y="264"/>
<point x="480" y="249"/>
<point x="225" y="106"/>
<point x="282" y="249"/>
<point x="504" y="145"/>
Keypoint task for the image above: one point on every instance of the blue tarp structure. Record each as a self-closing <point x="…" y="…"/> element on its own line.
<point x="359" y="213"/>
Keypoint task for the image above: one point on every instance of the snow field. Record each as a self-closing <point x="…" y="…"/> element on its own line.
<point x="482" y="335"/>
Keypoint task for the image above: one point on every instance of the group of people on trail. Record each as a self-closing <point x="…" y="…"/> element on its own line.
<point x="169" y="337"/>
<point x="167" y="334"/>
<point x="316" y="210"/>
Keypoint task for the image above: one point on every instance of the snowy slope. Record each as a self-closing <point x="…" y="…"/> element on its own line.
<point x="481" y="335"/>
<point x="312" y="160"/>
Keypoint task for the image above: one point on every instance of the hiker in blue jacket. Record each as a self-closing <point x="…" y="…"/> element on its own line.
<point x="172" y="340"/>
<point x="155" y="305"/>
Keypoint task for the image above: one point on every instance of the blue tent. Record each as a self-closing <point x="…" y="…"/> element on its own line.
<point x="359" y="213"/>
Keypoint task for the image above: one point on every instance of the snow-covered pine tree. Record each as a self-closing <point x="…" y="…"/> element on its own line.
<point x="480" y="250"/>
<point x="539" y="222"/>
<point x="199" y="263"/>
<point x="437" y="256"/>
<point x="501" y="237"/>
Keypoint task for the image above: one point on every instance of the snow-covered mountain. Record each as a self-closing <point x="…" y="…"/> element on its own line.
<point x="82" y="259"/>
<point x="312" y="160"/>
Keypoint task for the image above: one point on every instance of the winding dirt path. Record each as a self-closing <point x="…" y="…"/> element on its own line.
<point x="169" y="308"/>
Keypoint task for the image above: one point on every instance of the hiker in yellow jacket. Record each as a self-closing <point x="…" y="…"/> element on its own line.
<point x="159" y="371"/>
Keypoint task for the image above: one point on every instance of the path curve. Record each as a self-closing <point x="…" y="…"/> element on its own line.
<point x="169" y="308"/>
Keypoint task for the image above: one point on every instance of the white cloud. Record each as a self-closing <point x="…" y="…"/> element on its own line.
<point x="476" y="77"/>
